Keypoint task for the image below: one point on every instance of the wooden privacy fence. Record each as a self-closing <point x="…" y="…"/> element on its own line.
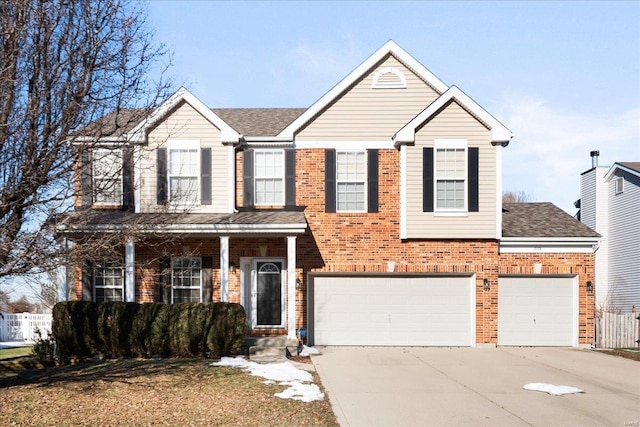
<point x="617" y="330"/>
<point x="23" y="326"/>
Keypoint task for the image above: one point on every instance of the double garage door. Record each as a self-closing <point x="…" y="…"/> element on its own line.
<point x="394" y="310"/>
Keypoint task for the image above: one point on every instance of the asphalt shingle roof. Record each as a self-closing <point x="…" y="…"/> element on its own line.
<point x="541" y="220"/>
<point x="258" y="121"/>
<point x="632" y="165"/>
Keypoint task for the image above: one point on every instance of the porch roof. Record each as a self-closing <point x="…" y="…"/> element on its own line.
<point x="264" y="222"/>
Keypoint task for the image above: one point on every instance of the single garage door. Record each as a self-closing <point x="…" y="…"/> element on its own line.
<point x="392" y="311"/>
<point x="537" y="311"/>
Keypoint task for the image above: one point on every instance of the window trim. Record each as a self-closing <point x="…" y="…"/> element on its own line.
<point x="452" y="144"/>
<point x="184" y="144"/>
<point x="97" y="268"/>
<point x="174" y="287"/>
<point x="120" y="175"/>
<point x="282" y="176"/>
<point x="365" y="182"/>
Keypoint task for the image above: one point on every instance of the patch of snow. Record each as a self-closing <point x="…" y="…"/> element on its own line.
<point x="308" y="351"/>
<point x="555" y="390"/>
<point x="282" y="373"/>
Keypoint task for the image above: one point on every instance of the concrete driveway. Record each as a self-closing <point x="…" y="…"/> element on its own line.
<point x="412" y="386"/>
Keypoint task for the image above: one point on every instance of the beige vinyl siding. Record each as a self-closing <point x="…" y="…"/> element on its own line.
<point x="364" y="113"/>
<point x="185" y="123"/>
<point x="453" y="122"/>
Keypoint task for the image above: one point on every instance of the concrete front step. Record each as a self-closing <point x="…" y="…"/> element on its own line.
<point x="268" y="349"/>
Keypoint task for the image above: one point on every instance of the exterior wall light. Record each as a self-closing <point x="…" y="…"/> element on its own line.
<point x="298" y="283"/>
<point x="232" y="266"/>
<point x="589" y="286"/>
<point x="485" y="284"/>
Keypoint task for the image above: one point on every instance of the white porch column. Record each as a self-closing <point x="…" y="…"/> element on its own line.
<point x="130" y="271"/>
<point x="291" y="287"/>
<point x="224" y="268"/>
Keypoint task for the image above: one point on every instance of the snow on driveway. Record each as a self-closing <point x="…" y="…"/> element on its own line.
<point x="555" y="390"/>
<point x="300" y="382"/>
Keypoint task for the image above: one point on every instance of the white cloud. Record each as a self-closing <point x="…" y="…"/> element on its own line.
<point x="551" y="148"/>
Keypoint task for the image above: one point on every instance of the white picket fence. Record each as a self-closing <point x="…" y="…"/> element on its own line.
<point x="22" y="326"/>
<point x="617" y="330"/>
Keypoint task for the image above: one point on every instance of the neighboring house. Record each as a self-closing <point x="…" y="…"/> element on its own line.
<point x="373" y="217"/>
<point x="610" y="204"/>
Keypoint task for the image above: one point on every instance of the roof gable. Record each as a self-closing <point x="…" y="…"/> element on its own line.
<point x="389" y="48"/>
<point x="499" y="132"/>
<point x="630" y="167"/>
<point x="228" y="134"/>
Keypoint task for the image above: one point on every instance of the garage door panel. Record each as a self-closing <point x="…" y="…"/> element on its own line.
<point x="537" y="311"/>
<point x="393" y="311"/>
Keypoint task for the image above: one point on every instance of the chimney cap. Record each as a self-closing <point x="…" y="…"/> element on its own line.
<point x="595" y="153"/>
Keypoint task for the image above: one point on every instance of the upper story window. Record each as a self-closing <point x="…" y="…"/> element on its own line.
<point x="108" y="280"/>
<point x="619" y="185"/>
<point x="450" y="175"/>
<point x="351" y="180"/>
<point x="269" y="177"/>
<point x="186" y="279"/>
<point x="184" y="172"/>
<point x="107" y="176"/>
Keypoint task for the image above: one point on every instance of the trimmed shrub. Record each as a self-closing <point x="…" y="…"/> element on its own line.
<point x="115" y="320"/>
<point x="149" y="335"/>
<point x="74" y="328"/>
<point x="119" y="329"/>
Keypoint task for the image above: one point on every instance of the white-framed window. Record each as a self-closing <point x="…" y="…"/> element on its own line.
<point x="184" y="172"/>
<point x="107" y="176"/>
<point x="351" y="181"/>
<point x="269" y="177"/>
<point x="186" y="279"/>
<point x="450" y="175"/>
<point x="619" y="185"/>
<point x="108" y="280"/>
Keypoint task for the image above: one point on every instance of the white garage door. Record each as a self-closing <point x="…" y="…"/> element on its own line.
<point x="393" y="311"/>
<point x="537" y="311"/>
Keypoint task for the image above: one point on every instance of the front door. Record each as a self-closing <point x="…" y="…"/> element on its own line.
<point x="267" y="295"/>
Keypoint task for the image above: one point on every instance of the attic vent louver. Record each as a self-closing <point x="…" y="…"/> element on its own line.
<point x="389" y="78"/>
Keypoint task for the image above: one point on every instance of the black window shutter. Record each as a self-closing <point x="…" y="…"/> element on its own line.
<point x="127" y="178"/>
<point x="86" y="178"/>
<point x="247" y="178"/>
<point x="473" y="179"/>
<point x="427" y="179"/>
<point x="165" y="280"/>
<point x="87" y="280"/>
<point x="290" y="177"/>
<point x="161" y="167"/>
<point x="205" y="176"/>
<point x="207" y="282"/>
<point x="330" y="181"/>
<point x="372" y="181"/>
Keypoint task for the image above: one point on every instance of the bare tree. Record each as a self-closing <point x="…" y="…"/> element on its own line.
<point x="63" y="65"/>
<point x="515" y="197"/>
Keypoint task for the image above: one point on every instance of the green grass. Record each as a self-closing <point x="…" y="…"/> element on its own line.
<point x="9" y="353"/>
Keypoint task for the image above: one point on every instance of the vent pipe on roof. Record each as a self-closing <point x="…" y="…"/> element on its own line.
<point x="594" y="158"/>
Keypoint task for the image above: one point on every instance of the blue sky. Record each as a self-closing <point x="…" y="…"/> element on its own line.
<point x="563" y="76"/>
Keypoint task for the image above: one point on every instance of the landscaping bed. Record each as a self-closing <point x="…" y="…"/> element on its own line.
<point x="151" y="392"/>
<point x="624" y="352"/>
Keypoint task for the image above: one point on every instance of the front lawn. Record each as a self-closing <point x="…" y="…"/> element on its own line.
<point x="151" y="392"/>
<point x="8" y="353"/>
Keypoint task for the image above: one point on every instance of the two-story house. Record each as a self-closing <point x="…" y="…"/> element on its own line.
<point x="609" y="204"/>
<point x="373" y="217"/>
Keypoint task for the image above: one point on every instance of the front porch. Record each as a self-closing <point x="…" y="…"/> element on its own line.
<point x="247" y="258"/>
